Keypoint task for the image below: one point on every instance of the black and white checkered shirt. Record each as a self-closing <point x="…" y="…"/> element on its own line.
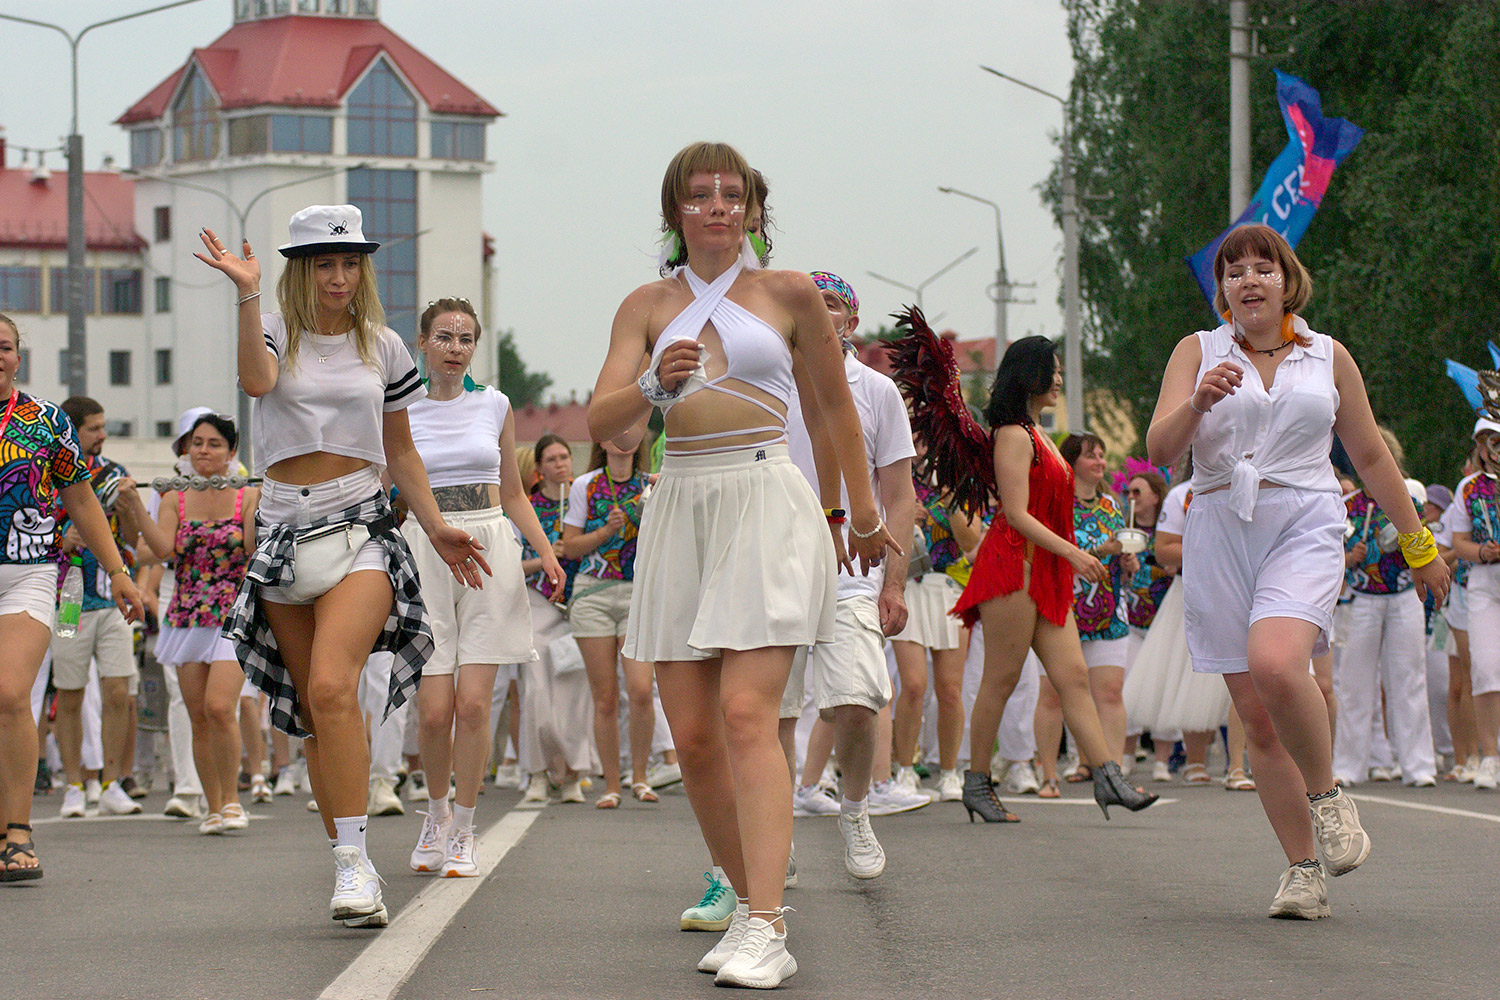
<point x="406" y="632"/>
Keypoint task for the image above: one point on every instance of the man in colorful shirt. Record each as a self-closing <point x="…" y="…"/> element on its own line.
<point x="103" y="636"/>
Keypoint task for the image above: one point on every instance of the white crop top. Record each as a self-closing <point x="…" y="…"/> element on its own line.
<point x="459" y="439"/>
<point x="1282" y="436"/>
<point x="754" y="354"/>
<point x="332" y="401"/>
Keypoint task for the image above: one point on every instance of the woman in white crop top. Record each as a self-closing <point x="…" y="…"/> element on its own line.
<point x="734" y="567"/>
<point x="332" y="384"/>
<point x="466" y="435"/>
<point x="1258" y="399"/>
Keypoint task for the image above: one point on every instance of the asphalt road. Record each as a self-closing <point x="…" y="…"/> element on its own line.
<point x="1163" y="904"/>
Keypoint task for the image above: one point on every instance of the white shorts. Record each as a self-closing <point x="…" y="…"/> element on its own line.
<point x="490" y="625"/>
<point x="1288" y="562"/>
<point x="1484" y="627"/>
<point x="1106" y="652"/>
<point x="197" y="644"/>
<point x="284" y="503"/>
<point x="103" y="636"/>
<point x="734" y="554"/>
<point x="599" y="609"/>
<point x="928" y="623"/>
<point x="795" y="693"/>
<point x="1456" y="611"/>
<point x="851" y="670"/>
<point x="30" y="590"/>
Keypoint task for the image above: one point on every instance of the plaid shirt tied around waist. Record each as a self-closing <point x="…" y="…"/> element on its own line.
<point x="406" y="632"/>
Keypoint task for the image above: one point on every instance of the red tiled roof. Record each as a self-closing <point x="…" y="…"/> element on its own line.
<point x="567" y="420"/>
<point x="298" y="61"/>
<point x="971" y="355"/>
<point x="35" y="214"/>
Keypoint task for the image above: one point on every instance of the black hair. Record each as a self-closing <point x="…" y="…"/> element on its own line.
<point x="219" y="422"/>
<point x="1026" y="370"/>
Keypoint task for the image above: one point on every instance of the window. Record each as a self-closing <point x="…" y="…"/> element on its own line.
<point x="119" y="367"/>
<point x="120" y="288"/>
<point x="388" y="200"/>
<point x="457" y="140"/>
<point x="195" y="121"/>
<point x="164" y="367"/>
<point x="20" y="289"/>
<point x="23" y="369"/>
<point x="165" y="429"/>
<point x="163" y="295"/>
<point x="119" y="428"/>
<point x="247" y="135"/>
<point x="302" y="133"/>
<point x="58" y="293"/>
<point x="382" y="115"/>
<point x="145" y="148"/>
<point x="162" y="216"/>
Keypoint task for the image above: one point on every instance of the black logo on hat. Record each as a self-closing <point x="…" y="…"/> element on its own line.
<point x="340" y="228"/>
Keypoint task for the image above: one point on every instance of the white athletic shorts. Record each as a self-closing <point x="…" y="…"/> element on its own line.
<point x="489" y="625"/>
<point x="103" y="636"/>
<point x="795" y="693"/>
<point x="1106" y="652"/>
<point x="1456" y="611"/>
<point x="31" y="590"/>
<point x="928" y="623"/>
<point x="1288" y="562"/>
<point x="284" y="503"/>
<point x="599" y="609"/>
<point x="851" y="670"/>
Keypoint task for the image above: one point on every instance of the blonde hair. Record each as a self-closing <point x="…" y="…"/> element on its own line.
<point x="297" y="294"/>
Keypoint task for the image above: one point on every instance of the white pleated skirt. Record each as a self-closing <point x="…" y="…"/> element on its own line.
<point x="928" y="623"/>
<point x="198" y="644"/>
<point x="734" y="553"/>
<point x="1162" y="693"/>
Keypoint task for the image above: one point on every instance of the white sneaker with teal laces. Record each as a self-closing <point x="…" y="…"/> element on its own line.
<point x="714" y="911"/>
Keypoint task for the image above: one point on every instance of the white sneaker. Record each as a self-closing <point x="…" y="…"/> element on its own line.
<point x="184" y="807"/>
<point x="829" y="780"/>
<point x="1487" y="774"/>
<point x="507" y="776"/>
<point x="863" y="855"/>
<point x="790" y="881"/>
<point x="907" y="778"/>
<point x="813" y="802"/>
<point x="432" y="844"/>
<point x="286" y="783"/>
<point x="356" y="889"/>
<point x="537" y="790"/>
<point x="1302" y="894"/>
<point x="727" y="945"/>
<point x="950" y="787"/>
<point x="1160" y="772"/>
<point x="416" y="787"/>
<point x="1021" y="780"/>
<point x="312" y="805"/>
<point x="887" y="797"/>
<point x="662" y="775"/>
<point x="1336" y="822"/>
<point x="383" y="799"/>
<point x="234" y="817"/>
<point x="1469" y="770"/>
<point x="91" y="792"/>
<point x="115" y="802"/>
<point x="460" y="860"/>
<point x="260" y="788"/>
<point x="73" y="804"/>
<point x="1383" y="774"/>
<point x="761" y="962"/>
<point x="572" y="791"/>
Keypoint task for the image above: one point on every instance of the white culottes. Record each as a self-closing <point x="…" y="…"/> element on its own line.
<point x="733" y="554"/>
<point x="928" y="623"/>
<point x="851" y="670"/>
<point x="1484" y="627"/>
<point x="490" y="625"/>
<point x="1287" y="562"/>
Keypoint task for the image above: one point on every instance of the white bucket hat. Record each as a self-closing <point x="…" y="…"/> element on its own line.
<point x="1485" y="424"/>
<point x="327" y="229"/>
<point x="185" y="424"/>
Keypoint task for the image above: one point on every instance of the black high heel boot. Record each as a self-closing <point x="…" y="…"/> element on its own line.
<point x="980" y="798"/>
<point x="1111" y="789"/>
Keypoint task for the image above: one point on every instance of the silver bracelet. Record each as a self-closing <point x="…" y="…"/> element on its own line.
<point x="246" y="298"/>
<point x="879" y="524"/>
<point x="1194" y="405"/>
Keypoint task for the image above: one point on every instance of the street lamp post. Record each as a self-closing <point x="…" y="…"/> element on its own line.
<point x="242" y="215"/>
<point x="1002" y="282"/>
<point x="77" y="340"/>
<point x="917" y="289"/>
<point x="1072" y="331"/>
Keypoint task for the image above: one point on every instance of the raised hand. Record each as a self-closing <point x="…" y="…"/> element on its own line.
<point x="1219" y="381"/>
<point x="678" y="362"/>
<point x="243" y="271"/>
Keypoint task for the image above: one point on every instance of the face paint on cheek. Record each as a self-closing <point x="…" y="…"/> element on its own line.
<point x="690" y="210"/>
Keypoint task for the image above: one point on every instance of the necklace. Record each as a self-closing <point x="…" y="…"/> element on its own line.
<point x="323" y="358"/>
<point x="1271" y="353"/>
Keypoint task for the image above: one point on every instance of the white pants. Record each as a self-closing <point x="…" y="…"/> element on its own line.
<point x="387" y="734"/>
<point x="1384" y="647"/>
<point x="1437" y="700"/>
<point x="1483" y="598"/>
<point x="557" y="710"/>
<point x="1018" y="724"/>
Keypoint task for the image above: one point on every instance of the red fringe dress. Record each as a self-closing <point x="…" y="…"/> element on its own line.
<point x="999" y="564"/>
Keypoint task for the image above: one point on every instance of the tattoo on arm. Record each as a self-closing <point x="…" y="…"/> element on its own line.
<point x="470" y="496"/>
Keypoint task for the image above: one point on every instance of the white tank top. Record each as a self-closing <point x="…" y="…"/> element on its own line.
<point x="1282" y="436"/>
<point x="459" y="439"/>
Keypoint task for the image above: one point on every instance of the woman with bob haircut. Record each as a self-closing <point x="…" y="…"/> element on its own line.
<point x="1021" y="588"/>
<point x="332" y="579"/>
<point x="1258" y="399"/>
<point x="735" y="567"/>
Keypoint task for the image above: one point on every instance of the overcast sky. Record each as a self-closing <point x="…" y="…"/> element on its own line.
<point x="856" y="111"/>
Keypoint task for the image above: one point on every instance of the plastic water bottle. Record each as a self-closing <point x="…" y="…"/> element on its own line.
<point x="70" y="600"/>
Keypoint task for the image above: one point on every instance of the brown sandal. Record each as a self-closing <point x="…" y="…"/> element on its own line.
<point x="1049" y="790"/>
<point x="12" y="853"/>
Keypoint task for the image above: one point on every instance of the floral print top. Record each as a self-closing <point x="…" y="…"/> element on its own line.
<point x="211" y="561"/>
<point x="1099" y="609"/>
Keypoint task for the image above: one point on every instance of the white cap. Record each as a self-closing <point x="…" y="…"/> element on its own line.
<point x="185" y="424"/>
<point x="1417" y="491"/>
<point x="327" y="229"/>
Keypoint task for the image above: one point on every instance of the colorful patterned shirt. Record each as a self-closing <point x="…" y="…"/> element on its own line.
<point x="937" y="528"/>
<point x="96" y="590"/>
<point x="39" y="456"/>
<point x="1148" y="586"/>
<point x="589" y="503"/>
<point x="549" y="512"/>
<point x="1099" y="609"/>
<point x="1380" y="572"/>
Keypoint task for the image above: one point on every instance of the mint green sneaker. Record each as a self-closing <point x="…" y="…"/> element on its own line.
<point x="713" y="911"/>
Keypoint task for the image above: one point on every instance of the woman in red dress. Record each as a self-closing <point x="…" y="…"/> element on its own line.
<point x="1021" y="588"/>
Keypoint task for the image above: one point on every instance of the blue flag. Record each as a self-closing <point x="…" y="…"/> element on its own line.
<point x="1297" y="179"/>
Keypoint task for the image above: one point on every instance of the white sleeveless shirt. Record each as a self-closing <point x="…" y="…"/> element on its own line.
<point x="1282" y="435"/>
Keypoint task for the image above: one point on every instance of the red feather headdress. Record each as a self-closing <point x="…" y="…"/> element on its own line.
<point x="960" y="454"/>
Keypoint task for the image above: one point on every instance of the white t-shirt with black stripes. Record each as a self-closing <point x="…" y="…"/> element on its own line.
<point x="331" y="400"/>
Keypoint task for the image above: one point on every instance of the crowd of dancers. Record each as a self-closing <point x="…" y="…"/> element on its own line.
<point x="799" y="606"/>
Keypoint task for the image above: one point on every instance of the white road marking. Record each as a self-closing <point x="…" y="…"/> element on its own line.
<point x="394" y="954"/>
<point x="1445" y="810"/>
<point x="1033" y="800"/>
<point x="140" y="817"/>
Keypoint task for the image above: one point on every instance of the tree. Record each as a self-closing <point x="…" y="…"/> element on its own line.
<point x="522" y="387"/>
